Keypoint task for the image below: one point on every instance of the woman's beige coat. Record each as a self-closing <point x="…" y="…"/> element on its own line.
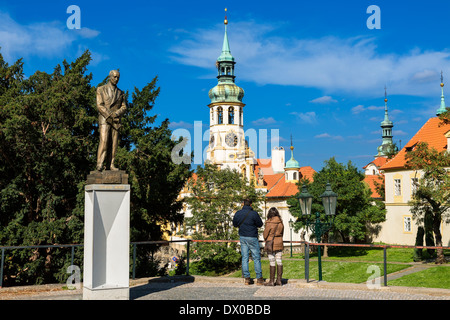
<point x="270" y="229"/>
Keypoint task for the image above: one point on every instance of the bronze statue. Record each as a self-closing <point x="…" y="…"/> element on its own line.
<point x="111" y="106"/>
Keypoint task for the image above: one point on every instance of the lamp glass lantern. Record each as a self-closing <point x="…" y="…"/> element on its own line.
<point x="305" y="200"/>
<point x="329" y="199"/>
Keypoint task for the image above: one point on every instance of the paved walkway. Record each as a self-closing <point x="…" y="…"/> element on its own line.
<point x="229" y="289"/>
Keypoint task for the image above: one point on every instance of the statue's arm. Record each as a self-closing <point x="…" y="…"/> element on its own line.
<point x="101" y="105"/>
<point x="122" y="108"/>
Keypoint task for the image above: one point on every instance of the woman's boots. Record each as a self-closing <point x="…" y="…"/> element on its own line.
<point x="279" y="269"/>
<point x="271" y="282"/>
<point x="279" y="274"/>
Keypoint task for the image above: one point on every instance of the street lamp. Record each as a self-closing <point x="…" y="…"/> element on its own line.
<point x="291" y="225"/>
<point x="329" y="199"/>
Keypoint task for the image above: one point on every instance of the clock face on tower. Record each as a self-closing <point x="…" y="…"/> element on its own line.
<point x="231" y="139"/>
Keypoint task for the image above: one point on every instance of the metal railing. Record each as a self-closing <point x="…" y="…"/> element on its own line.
<point x="4" y="248"/>
<point x="307" y="247"/>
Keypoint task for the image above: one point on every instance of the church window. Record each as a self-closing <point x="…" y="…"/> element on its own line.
<point x="219" y="115"/>
<point x="406" y="224"/>
<point x="397" y="187"/>
<point x="240" y="116"/>
<point x="231" y="115"/>
<point x="414" y="184"/>
<point x="295" y="175"/>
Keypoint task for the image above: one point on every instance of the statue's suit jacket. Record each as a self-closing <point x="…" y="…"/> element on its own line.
<point x="111" y="105"/>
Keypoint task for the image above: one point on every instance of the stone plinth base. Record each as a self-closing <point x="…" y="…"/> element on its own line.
<point x="106" y="241"/>
<point x="107" y="177"/>
<point x="106" y="293"/>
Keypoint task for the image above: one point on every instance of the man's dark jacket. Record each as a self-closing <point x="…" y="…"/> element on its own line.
<point x="249" y="228"/>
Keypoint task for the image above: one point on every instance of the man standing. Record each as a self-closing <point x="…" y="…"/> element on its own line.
<point x="248" y="222"/>
<point x="111" y="106"/>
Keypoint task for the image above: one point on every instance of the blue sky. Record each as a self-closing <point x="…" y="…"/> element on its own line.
<point x="310" y="69"/>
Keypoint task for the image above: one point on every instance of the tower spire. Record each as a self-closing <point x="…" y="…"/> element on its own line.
<point x="386" y="129"/>
<point x="226" y="52"/>
<point x="442" y="108"/>
<point x="386" y="116"/>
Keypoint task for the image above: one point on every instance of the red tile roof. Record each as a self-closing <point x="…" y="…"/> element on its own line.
<point x="370" y="181"/>
<point x="276" y="183"/>
<point x="432" y="132"/>
<point x="378" y="162"/>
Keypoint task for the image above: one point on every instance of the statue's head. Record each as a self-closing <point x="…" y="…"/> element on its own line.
<point x="114" y="76"/>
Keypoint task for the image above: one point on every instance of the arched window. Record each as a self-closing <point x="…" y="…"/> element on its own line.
<point x="219" y="115"/>
<point x="240" y="116"/>
<point x="231" y="115"/>
<point x="295" y="175"/>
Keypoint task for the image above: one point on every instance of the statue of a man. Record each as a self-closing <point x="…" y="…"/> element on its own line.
<point x="111" y="106"/>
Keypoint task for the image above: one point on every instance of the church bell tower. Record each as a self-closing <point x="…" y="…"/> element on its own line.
<point x="227" y="144"/>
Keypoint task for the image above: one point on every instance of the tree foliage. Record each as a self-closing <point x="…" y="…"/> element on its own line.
<point x="215" y="195"/>
<point x="48" y="145"/>
<point x="356" y="211"/>
<point x="429" y="202"/>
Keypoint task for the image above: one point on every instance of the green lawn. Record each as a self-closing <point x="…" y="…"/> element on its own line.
<point x="350" y="265"/>
<point x="404" y="255"/>
<point x="332" y="271"/>
<point x="434" y="277"/>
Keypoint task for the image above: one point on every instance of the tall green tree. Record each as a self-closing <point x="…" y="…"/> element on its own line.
<point x="215" y="195"/>
<point x="46" y="124"/>
<point x="429" y="203"/>
<point x="355" y="210"/>
<point x="48" y="145"/>
<point x="156" y="181"/>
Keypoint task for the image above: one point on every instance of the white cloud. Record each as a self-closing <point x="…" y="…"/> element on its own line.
<point x="45" y="39"/>
<point x="180" y="124"/>
<point x="308" y="117"/>
<point x="335" y="65"/>
<point x="264" y="121"/>
<point x="399" y="133"/>
<point x="328" y="136"/>
<point x="360" y="108"/>
<point x="323" y="100"/>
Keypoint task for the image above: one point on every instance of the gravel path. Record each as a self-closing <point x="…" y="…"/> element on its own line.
<point x="232" y="289"/>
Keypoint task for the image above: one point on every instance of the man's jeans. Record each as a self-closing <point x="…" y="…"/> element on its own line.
<point x="250" y="244"/>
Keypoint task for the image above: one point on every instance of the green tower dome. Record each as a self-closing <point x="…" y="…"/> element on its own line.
<point x="292" y="163"/>
<point x="226" y="92"/>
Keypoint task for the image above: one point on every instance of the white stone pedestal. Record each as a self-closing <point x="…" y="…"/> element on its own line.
<point x="106" y="242"/>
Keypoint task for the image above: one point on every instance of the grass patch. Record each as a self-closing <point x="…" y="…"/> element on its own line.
<point x="433" y="277"/>
<point x="404" y="255"/>
<point x="332" y="271"/>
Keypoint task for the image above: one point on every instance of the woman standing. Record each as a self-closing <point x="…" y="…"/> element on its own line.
<point x="274" y="229"/>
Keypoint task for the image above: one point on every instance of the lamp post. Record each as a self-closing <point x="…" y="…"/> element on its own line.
<point x="314" y="223"/>
<point x="291" y="225"/>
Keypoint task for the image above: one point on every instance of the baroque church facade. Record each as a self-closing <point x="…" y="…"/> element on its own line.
<point x="277" y="178"/>
<point x="228" y="148"/>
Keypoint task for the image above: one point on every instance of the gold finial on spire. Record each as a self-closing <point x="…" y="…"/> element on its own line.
<point x="385" y="94"/>
<point x="442" y="79"/>
<point x="225" y="21"/>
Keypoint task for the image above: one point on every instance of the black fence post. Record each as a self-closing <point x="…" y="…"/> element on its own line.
<point x="385" y="265"/>
<point x="187" y="257"/>
<point x="307" y="261"/>
<point x="72" y="255"/>
<point x="1" y="267"/>
<point x="134" y="261"/>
